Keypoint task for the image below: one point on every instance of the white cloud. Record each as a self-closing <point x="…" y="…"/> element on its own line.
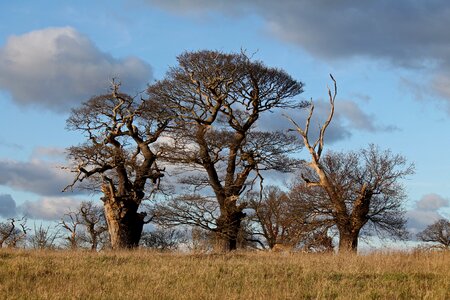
<point x="58" y="68"/>
<point x="49" y="208"/>
<point x="432" y="202"/>
<point x="427" y="210"/>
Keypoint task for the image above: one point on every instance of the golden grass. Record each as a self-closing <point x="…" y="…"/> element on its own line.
<point x="148" y="275"/>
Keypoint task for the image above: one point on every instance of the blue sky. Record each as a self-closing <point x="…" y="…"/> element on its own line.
<point x="391" y="61"/>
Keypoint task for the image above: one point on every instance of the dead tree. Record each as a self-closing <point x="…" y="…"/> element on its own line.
<point x="12" y="233"/>
<point x="93" y="219"/>
<point x="437" y="233"/>
<point x="358" y="187"/>
<point x="44" y="237"/>
<point x="71" y="223"/>
<point x="118" y="157"/>
<point x="218" y="98"/>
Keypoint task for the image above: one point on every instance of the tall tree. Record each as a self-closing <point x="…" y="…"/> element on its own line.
<point x="437" y="233"/>
<point x="118" y="157"/>
<point x="358" y="188"/>
<point x="219" y="98"/>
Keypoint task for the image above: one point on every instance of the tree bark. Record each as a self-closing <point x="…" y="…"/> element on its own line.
<point x="125" y="224"/>
<point x="228" y="227"/>
<point x="348" y="241"/>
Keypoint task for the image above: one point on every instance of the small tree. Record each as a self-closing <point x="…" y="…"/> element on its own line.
<point x="43" y="237"/>
<point x="201" y="240"/>
<point x="164" y="239"/>
<point x="118" y="157"/>
<point x="358" y="188"/>
<point x="13" y="232"/>
<point x="71" y="223"/>
<point x="285" y="219"/>
<point x="92" y="217"/>
<point x="437" y="233"/>
<point x="218" y="98"/>
<point x="273" y="214"/>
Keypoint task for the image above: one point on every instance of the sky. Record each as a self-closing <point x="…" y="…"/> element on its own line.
<point x="391" y="60"/>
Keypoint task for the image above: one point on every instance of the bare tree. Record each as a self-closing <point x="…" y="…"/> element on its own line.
<point x="13" y="232"/>
<point x="201" y="240"/>
<point x="71" y="223"/>
<point x="118" y="157"/>
<point x="437" y="233"/>
<point x="218" y="98"/>
<point x="272" y="212"/>
<point x="286" y="219"/>
<point x="43" y="237"/>
<point x="192" y="210"/>
<point x="164" y="239"/>
<point x="359" y="188"/>
<point x="93" y="218"/>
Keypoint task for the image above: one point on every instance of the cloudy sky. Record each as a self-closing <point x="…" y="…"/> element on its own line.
<point x="391" y="60"/>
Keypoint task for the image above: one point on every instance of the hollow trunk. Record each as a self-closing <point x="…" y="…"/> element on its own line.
<point x="348" y="240"/>
<point x="228" y="227"/>
<point x="125" y="224"/>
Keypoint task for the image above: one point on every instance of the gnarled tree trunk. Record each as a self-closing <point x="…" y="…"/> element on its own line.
<point x="348" y="240"/>
<point x="125" y="224"/>
<point x="228" y="227"/>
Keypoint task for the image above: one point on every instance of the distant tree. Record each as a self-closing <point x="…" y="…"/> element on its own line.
<point x="164" y="239"/>
<point x="43" y="237"/>
<point x="285" y="219"/>
<point x="118" y="157"/>
<point x="12" y="232"/>
<point x="273" y="213"/>
<point x="92" y="217"/>
<point x="358" y="188"/>
<point x="218" y="98"/>
<point x="191" y="210"/>
<point x="437" y="233"/>
<point x="71" y="223"/>
<point x="201" y="240"/>
<point x="86" y="226"/>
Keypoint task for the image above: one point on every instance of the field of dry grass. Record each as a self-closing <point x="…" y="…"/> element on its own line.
<point x="148" y="275"/>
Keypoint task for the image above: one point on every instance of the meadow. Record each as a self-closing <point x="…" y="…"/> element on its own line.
<point x="141" y="274"/>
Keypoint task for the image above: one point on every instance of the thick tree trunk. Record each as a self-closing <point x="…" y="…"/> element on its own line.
<point x="125" y="224"/>
<point x="348" y="240"/>
<point x="228" y="227"/>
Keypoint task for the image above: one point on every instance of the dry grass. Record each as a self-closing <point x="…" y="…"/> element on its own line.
<point x="147" y="275"/>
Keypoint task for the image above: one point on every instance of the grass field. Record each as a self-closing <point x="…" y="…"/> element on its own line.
<point x="148" y="275"/>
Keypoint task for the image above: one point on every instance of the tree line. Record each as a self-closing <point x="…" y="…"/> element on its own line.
<point x="193" y="145"/>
